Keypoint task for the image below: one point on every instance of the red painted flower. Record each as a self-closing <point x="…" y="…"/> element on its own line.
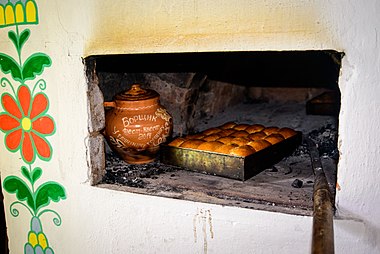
<point x="26" y="124"/>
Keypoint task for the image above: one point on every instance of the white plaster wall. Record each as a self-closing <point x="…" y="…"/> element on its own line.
<point x="104" y="221"/>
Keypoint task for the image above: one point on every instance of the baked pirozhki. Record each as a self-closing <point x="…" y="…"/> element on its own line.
<point x="235" y="139"/>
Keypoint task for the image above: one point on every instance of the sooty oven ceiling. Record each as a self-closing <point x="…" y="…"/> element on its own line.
<point x="275" y="189"/>
<point x="269" y="68"/>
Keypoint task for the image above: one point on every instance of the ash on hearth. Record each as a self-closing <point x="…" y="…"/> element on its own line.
<point x="326" y="139"/>
<point x="120" y="172"/>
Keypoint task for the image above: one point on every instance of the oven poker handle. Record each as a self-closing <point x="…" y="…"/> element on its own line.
<point x="314" y="156"/>
<point x="320" y="180"/>
<point x="323" y="212"/>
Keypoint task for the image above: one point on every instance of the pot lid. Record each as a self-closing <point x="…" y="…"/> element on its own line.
<point x="136" y="93"/>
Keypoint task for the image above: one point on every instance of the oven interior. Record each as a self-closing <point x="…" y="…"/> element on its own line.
<point x="295" y="89"/>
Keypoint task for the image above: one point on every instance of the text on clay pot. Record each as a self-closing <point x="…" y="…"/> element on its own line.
<point x="131" y="120"/>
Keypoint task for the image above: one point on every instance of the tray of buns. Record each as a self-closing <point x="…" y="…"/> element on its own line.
<point x="234" y="150"/>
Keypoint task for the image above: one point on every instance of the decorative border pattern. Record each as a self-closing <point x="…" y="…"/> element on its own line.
<point x="25" y="121"/>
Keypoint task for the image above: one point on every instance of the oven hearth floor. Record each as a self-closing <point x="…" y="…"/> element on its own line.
<point x="286" y="187"/>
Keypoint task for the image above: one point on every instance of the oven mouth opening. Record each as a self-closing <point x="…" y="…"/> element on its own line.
<point x="297" y="89"/>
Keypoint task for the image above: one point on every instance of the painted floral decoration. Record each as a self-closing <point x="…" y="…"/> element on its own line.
<point x="26" y="124"/>
<point x="18" y="13"/>
<point x="37" y="242"/>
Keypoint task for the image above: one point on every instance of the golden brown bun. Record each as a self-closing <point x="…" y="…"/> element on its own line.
<point x="241" y="127"/>
<point x="177" y="142"/>
<point x="226" y="132"/>
<point x="270" y="130"/>
<point x="192" y="143"/>
<point x="228" y="125"/>
<point x="211" y="131"/>
<point x="255" y="128"/>
<point x="210" y="146"/>
<point x="287" y="132"/>
<point x="211" y="137"/>
<point x="242" y="151"/>
<point x="195" y="136"/>
<point x="225" y="149"/>
<point x="239" y="134"/>
<point x="259" y="144"/>
<point x="235" y="139"/>
<point x="240" y="141"/>
<point x="257" y="135"/>
<point x="225" y="140"/>
<point x="274" y="138"/>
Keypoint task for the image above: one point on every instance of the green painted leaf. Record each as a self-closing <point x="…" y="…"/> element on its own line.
<point x="37" y="172"/>
<point x="26" y="173"/>
<point x="49" y="191"/>
<point x="12" y="35"/>
<point x="34" y="65"/>
<point x="14" y="184"/>
<point x="24" y="37"/>
<point x="9" y="65"/>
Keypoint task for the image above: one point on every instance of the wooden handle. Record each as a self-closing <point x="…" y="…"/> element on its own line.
<point x="109" y="104"/>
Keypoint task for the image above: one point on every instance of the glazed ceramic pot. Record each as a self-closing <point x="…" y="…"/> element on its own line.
<point x="136" y="125"/>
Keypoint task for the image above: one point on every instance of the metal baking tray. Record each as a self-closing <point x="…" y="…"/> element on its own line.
<point x="235" y="167"/>
<point x="325" y="104"/>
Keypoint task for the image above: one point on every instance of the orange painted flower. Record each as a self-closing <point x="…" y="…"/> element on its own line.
<point x="26" y="124"/>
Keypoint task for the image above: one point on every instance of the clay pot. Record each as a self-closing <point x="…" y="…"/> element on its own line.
<point x="137" y="124"/>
